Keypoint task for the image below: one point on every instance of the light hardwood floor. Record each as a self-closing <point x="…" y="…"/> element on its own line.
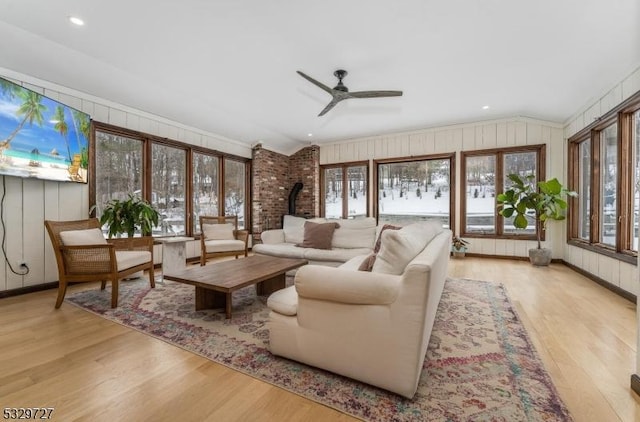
<point x="88" y="368"/>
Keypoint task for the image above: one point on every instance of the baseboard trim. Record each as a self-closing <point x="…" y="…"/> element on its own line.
<point x="635" y="383"/>
<point x="480" y="255"/>
<point x="29" y="289"/>
<point x="615" y="289"/>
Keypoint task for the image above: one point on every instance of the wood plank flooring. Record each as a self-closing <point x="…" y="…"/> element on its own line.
<point x="88" y="368"/>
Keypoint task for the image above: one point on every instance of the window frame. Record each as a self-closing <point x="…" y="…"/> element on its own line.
<point x="623" y="116"/>
<point x="499" y="153"/>
<point x="431" y="157"/>
<point x="345" y="173"/>
<point x="147" y="141"/>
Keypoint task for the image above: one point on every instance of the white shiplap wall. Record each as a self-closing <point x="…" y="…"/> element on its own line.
<point x="29" y="202"/>
<point x="465" y="137"/>
<point x="624" y="275"/>
<point x="618" y="273"/>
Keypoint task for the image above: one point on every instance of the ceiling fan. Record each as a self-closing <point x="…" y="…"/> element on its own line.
<point x="341" y="92"/>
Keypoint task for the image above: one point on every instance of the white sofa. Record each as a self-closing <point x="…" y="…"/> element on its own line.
<point x="370" y="326"/>
<point x="352" y="238"/>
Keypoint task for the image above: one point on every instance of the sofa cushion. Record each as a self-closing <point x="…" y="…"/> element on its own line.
<point x="128" y="259"/>
<point x="218" y="231"/>
<point x="367" y="265"/>
<point x="318" y="235"/>
<point x="399" y="247"/>
<point x="82" y="237"/>
<point x="353" y="263"/>
<point x="376" y="247"/>
<point x="283" y="250"/>
<point x="294" y="228"/>
<point x="336" y="255"/>
<point x="224" y="245"/>
<point x="355" y="233"/>
<point x="284" y="301"/>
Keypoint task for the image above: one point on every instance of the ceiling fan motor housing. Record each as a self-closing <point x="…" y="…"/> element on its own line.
<point x="340" y="73"/>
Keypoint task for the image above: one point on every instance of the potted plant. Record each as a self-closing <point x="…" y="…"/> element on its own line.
<point x="126" y="215"/>
<point x="458" y="247"/>
<point x="544" y="201"/>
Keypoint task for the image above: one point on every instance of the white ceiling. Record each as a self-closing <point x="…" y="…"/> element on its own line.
<point x="229" y="67"/>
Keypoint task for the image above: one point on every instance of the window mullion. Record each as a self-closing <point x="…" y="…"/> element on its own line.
<point x="595" y="188"/>
<point x="345" y="192"/>
<point x="499" y="187"/>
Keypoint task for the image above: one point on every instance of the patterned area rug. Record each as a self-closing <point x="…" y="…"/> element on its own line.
<point x="480" y="365"/>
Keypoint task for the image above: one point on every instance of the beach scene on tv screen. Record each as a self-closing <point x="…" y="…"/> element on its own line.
<point x="40" y="137"/>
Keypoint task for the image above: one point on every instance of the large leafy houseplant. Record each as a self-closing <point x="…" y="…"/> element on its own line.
<point x="544" y="201"/>
<point x="127" y="215"/>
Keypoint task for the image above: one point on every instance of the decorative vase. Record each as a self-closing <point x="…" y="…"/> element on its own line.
<point x="540" y="257"/>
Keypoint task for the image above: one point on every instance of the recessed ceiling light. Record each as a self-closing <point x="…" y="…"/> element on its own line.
<point x="309" y="135"/>
<point x="485" y="107"/>
<point x="76" y="21"/>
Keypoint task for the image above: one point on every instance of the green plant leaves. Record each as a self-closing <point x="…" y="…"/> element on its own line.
<point x="546" y="202"/>
<point x="125" y="216"/>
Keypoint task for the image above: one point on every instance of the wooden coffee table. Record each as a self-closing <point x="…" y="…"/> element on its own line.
<point x="217" y="281"/>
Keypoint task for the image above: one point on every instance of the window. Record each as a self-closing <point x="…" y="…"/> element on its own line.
<point x="485" y="174"/>
<point x="415" y="190"/>
<point x="480" y="215"/>
<point x="119" y="163"/>
<point x="168" y="187"/>
<point x="584" y="187"/>
<point x="608" y="185"/>
<point x="604" y="168"/>
<point x="635" y="174"/>
<point x="181" y="181"/>
<point x="523" y="164"/>
<point x="234" y="190"/>
<point x="344" y="190"/>
<point x="205" y="187"/>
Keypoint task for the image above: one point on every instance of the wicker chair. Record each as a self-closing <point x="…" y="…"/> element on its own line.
<point x="221" y="241"/>
<point x="96" y="259"/>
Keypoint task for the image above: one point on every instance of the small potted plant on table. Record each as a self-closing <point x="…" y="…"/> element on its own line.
<point x="458" y="247"/>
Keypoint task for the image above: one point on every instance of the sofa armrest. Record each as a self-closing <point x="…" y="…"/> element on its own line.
<point x="272" y="236"/>
<point x="346" y="286"/>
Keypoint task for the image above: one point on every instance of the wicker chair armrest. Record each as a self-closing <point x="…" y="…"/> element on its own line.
<point x="88" y="259"/>
<point x="242" y="235"/>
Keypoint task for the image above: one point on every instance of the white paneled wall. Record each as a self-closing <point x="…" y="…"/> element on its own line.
<point x="465" y="137"/>
<point x="29" y="202"/>
<point x="618" y="273"/>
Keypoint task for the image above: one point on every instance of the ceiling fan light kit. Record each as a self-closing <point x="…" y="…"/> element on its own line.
<point x="341" y="92"/>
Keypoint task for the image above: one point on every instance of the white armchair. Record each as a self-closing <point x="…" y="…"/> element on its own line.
<point x="373" y="327"/>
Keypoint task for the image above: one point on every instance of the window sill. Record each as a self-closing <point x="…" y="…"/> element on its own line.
<point x="628" y="257"/>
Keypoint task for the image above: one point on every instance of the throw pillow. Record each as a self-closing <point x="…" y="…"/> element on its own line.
<point x="376" y="248"/>
<point x="218" y="231"/>
<point x="399" y="247"/>
<point x="318" y="235"/>
<point x="368" y="262"/>
<point x="82" y="237"/>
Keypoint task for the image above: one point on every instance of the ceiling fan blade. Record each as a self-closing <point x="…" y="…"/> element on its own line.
<point x="374" y="94"/>
<point x="329" y="106"/>
<point x="313" y="81"/>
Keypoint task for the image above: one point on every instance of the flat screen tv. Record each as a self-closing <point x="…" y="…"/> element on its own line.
<point x="40" y="137"/>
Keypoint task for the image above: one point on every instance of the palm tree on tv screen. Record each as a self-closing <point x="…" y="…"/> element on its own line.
<point x="62" y="127"/>
<point x="82" y="126"/>
<point x="31" y="111"/>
